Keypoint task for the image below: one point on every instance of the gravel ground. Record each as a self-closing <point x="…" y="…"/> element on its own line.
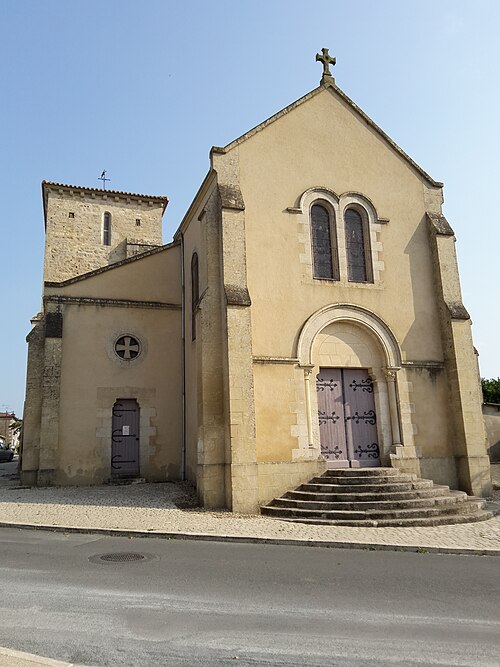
<point x="171" y="507"/>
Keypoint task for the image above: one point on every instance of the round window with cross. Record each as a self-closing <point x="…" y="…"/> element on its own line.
<point x="127" y="347"/>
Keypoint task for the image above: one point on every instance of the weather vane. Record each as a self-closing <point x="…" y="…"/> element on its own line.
<point x="103" y="178"/>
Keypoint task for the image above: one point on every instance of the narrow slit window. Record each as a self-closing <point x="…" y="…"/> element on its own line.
<point x="106" y="229"/>
<point x="356" y="248"/>
<point x="323" y="243"/>
<point x="195" y="293"/>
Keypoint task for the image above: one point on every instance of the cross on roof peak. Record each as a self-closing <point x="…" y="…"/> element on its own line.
<point x="326" y="60"/>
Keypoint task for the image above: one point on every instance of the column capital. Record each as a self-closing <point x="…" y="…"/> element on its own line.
<point x="390" y="374"/>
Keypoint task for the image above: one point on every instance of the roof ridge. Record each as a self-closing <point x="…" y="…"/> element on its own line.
<point x="335" y="89"/>
<point x="113" y="192"/>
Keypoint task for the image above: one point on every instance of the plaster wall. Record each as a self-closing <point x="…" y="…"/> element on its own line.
<point x="89" y="391"/>
<point x="153" y="277"/>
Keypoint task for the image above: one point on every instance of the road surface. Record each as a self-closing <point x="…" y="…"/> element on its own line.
<point x="191" y="603"/>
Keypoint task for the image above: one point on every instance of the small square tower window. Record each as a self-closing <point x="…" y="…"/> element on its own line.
<point x="137" y="222"/>
<point x="71" y="214"/>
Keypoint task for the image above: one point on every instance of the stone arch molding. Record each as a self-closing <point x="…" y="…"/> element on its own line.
<point x="313" y="194"/>
<point x="339" y="202"/>
<point x="344" y="312"/>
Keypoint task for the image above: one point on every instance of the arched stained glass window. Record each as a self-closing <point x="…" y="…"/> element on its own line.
<point x="195" y="293"/>
<point x="106" y="229"/>
<point x="356" y="247"/>
<point x="323" y="243"/>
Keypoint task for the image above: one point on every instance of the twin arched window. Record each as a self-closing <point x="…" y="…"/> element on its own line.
<point x="106" y="229"/>
<point x="325" y="245"/>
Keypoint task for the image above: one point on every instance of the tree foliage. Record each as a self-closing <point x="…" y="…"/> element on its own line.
<point x="16" y="426"/>
<point x="491" y="390"/>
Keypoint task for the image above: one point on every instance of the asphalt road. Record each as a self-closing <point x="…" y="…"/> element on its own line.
<point x="200" y="603"/>
<point x="8" y="472"/>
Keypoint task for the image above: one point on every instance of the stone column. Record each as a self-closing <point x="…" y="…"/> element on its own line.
<point x="390" y="376"/>
<point x="382" y="409"/>
<point x="307" y="388"/>
<point x="403" y="457"/>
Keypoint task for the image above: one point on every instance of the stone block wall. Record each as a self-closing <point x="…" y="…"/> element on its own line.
<point x="74" y="220"/>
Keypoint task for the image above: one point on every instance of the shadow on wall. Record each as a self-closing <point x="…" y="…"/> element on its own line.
<point x="491" y="415"/>
<point x="423" y="288"/>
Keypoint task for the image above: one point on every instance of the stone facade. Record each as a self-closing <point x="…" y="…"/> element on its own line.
<point x="234" y="325"/>
<point x="74" y="221"/>
<point x="74" y="376"/>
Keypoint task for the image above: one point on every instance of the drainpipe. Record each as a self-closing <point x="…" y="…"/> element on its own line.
<point x="183" y="364"/>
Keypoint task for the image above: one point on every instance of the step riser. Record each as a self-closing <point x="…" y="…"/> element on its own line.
<point x="320" y="504"/>
<point x="381" y="479"/>
<point x="313" y="490"/>
<point x="369" y="488"/>
<point x="462" y="509"/>
<point x="363" y="472"/>
<point x="400" y="523"/>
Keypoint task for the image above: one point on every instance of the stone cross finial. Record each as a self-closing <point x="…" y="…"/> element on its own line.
<point x="327" y="60"/>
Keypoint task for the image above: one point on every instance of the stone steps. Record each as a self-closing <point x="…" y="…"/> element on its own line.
<point x="417" y="494"/>
<point x="432" y="492"/>
<point x="398" y="523"/>
<point x="363" y="506"/>
<point x="379" y="487"/>
<point x="375" y="497"/>
<point x="366" y="472"/>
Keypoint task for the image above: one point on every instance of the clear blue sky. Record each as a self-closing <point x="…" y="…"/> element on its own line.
<point x="145" y="88"/>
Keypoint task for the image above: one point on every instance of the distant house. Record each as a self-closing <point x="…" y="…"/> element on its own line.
<point x="6" y="435"/>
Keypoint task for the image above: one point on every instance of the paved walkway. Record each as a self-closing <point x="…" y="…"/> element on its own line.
<point x="168" y="510"/>
<point x="9" y="658"/>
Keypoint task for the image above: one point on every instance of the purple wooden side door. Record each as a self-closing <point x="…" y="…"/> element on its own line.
<point x="347" y="419"/>
<point x="125" y="439"/>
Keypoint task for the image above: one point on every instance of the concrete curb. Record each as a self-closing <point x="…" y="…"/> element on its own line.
<point x="20" y="658"/>
<point x="240" y="539"/>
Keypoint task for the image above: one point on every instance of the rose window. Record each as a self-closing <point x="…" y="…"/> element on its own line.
<point x="127" y="347"/>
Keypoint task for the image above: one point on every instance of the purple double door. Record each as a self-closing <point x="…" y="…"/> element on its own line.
<point x="347" y="418"/>
<point x="125" y="439"/>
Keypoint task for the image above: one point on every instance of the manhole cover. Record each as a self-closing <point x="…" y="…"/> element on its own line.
<point x="122" y="558"/>
<point x="126" y="557"/>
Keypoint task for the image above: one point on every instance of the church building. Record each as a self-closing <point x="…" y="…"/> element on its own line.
<point x="307" y="315"/>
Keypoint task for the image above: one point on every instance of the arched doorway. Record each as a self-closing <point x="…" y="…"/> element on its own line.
<point x="350" y="359"/>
